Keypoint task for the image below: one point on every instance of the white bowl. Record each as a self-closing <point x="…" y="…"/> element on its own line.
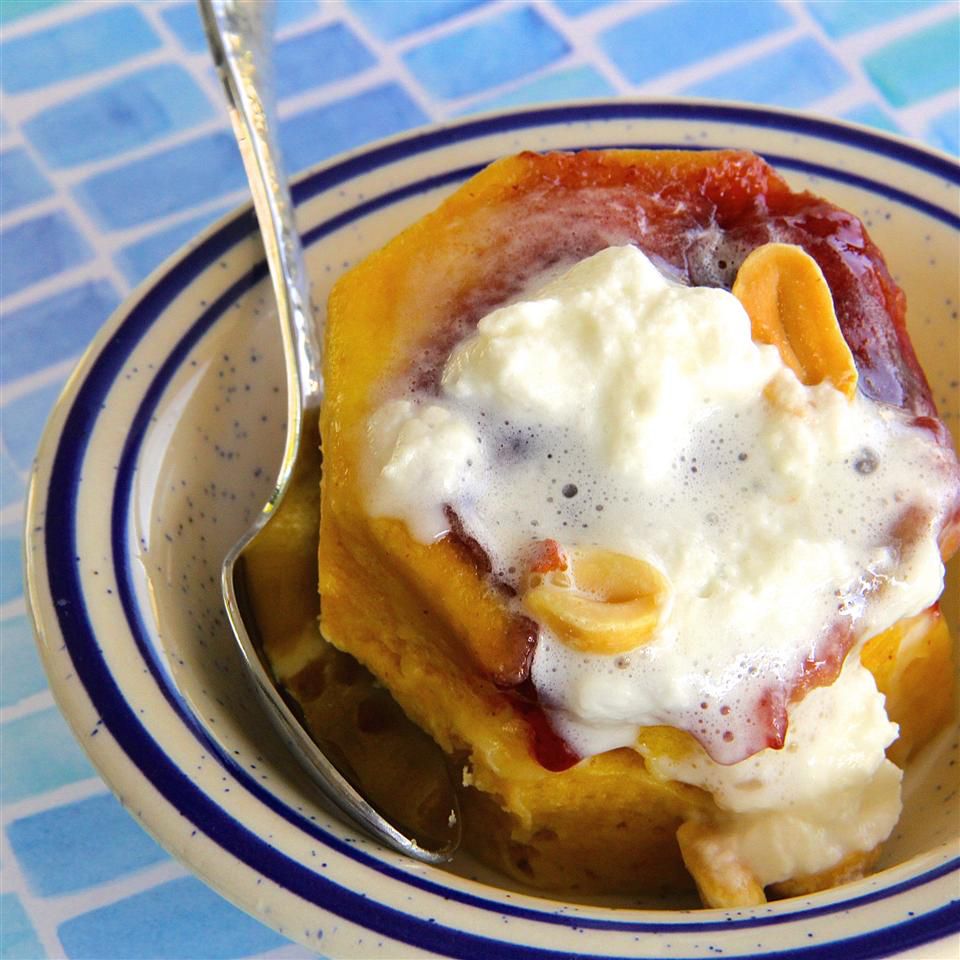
<point x="163" y="447"/>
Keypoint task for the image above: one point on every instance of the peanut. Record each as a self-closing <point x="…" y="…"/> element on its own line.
<point x="790" y="306"/>
<point x="603" y="602"/>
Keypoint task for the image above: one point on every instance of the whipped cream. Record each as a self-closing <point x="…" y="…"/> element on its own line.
<point x="617" y="408"/>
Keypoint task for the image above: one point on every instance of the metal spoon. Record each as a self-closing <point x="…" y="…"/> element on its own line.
<point x="240" y="36"/>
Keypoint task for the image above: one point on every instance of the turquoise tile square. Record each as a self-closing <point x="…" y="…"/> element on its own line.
<point x="18" y="939"/>
<point x="793" y="76"/>
<point x="871" y="115"/>
<point x="112" y="34"/>
<point x="133" y="112"/>
<point x="43" y="734"/>
<point x="179" y="920"/>
<point x="15" y="9"/>
<point x="513" y="43"/>
<point x="944" y="131"/>
<point x="61" y="850"/>
<point x="21" y="673"/>
<point x="841" y="18"/>
<point x="918" y="65"/>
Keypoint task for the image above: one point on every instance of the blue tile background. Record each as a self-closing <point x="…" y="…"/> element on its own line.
<point x="39" y="248"/>
<point x="321" y="56"/>
<point x="390" y="20"/>
<point x="26" y="739"/>
<point x="61" y="850"/>
<point x="792" y="76"/>
<point x="19" y="938"/>
<point x="22" y="675"/>
<point x="132" y="112"/>
<point x="102" y="39"/>
<point x="115" y="151"/>
<point x="176" y="921"/>
<point x="65" y="323"/>
<point x="511" y="44"/>
<point x="166" y="182"/>
<point x="665" y="38"/>
<point x="21" y="181"/>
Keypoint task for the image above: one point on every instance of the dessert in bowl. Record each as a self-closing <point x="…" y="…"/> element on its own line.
<point x="616" y="536"/>
<point x="242" y="815"/>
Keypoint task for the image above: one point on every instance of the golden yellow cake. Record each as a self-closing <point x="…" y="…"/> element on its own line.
<point x="452" y="637"/>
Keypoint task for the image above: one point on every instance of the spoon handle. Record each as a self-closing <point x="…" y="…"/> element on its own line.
<point x="241" y="40"/>
<point x="240" y="37"/>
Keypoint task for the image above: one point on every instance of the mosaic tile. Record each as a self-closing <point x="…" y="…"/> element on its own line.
<point x="138" y="260"/>
<point x="577" y="8"/>
<point x="39" y="248"/>
<point x="792" y="76"/>
<point x="314" y="135"/>
<point x="112" y="35"/>
<point x="61" y="850"/>
<point x="11" y="569"/>
<point x="86" y="306"/>
<point x="389" y="19"/>
<point x="944" y="131"/>
<point x="23" y="422"/>
<point x="672" y="36"/>
<point x="311" y="59"/>
<point x="871" y="115"/>
<point x="839" y="18"/>
<point x="21" y="182"/>
<point x="45" y="734"/>
<point x="497" y="50"/>
<point x="184" y="20"/>
<point x="168" y="921"/>
<point x="166" y="182"/>
<point x="15" y="9"/>
<point x="575" y="83"/>
<point x="132" y="112"/>
<point x="918" y="65"/>
<point x="19" y="940"/>
<point x="12" y="489"/>
<point x="22" y="675"/>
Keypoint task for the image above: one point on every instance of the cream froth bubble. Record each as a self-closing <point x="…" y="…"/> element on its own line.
<point x="614" y="407"/>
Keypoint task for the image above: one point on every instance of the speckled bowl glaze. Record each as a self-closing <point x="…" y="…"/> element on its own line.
<point x="164" y="446"/>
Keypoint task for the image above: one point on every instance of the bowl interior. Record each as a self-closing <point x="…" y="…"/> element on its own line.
<point x="199" y="449"/>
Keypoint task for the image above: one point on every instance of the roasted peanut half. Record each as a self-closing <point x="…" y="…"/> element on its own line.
<point x="790" y="306"/>
<point x="601" y="602"/>
<point x="711" y="859"/>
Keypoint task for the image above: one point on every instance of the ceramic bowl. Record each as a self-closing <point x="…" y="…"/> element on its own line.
<point x="164" y="447"/>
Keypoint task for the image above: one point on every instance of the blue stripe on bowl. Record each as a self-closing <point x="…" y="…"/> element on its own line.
<point x="170" y="781"/>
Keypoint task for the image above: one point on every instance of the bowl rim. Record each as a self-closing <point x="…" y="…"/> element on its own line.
<point x="67" y="443"/>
